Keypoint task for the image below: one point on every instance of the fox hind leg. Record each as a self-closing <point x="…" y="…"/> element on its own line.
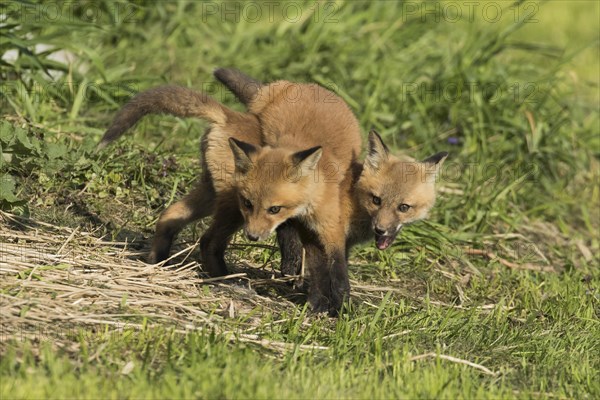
<point x="199" y="203"/>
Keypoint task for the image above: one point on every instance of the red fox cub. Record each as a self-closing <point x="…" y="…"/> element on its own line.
<point x="310" y="140"/>
<point x="391" y="192"/>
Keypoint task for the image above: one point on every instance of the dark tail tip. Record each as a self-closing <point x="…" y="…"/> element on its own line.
<point x="103" y="143"/>
<point x="241" y="85"/>
<point x="111" y="134"/>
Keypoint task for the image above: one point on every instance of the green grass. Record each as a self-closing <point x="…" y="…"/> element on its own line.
<point x="545" y="344"/>
<point x="521" y="182"/>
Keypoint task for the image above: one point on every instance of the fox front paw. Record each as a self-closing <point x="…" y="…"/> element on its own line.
<point x="331" y="306"/>
<point x="318" y="303"/>
<point x="154" y="258"/>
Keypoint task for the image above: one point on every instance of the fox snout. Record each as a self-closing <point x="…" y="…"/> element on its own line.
<point x="388" y="230"/>
<point x="255" y="236"/>
<point x="259" y="226"/>
<point x="386" y="223"/>
<point x="379" y="231"/>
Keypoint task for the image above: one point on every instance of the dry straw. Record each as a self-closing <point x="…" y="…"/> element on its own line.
<point x="58" y="279"/>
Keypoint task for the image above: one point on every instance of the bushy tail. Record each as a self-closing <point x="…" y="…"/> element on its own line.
<point x="173" y="100"/>
<point x="243" y="87"/>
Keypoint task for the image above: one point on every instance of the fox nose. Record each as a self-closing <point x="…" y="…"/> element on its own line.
<point x="379" y="231"/>
<point x="251" y="237"/>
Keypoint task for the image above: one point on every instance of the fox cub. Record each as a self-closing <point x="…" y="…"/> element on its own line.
<point x="291" y="155"/>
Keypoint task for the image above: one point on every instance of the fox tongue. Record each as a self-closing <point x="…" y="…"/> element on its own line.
<point x="383" y="242"/>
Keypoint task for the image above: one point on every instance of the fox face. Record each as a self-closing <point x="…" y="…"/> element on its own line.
<point x="273" y="185"/>
<point x="395" y="192"/>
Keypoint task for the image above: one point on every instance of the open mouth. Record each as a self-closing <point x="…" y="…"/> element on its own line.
<point x="383" y="242"/>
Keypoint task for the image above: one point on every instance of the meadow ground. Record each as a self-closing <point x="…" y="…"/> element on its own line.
<point x="496" y="295"/>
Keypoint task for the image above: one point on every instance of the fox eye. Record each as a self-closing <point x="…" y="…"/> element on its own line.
<point x="376" y="200"/>
<point x="247" y="203"/>
<point x="274" y="209"/>
<point x="403" y="207"/>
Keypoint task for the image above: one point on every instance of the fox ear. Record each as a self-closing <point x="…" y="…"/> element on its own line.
<point x="436" y="159"/>
<point x="434" y="163"/>
<point x="307" y="158"/>
<point x="378" y="151"/>
<point x="241" y="154"/>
